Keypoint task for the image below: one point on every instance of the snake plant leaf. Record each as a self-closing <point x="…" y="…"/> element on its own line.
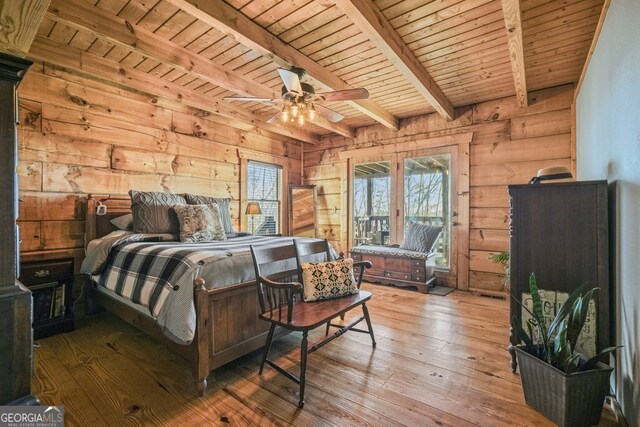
<point x="578" y="316"/>
<point x="561" y="337"/>
<point x="564" y="310"/>
<point x="597" y="357"/>
<point x="537" y="311"/>
<point x="526" y="338"/>
<point x="570" y="365"/>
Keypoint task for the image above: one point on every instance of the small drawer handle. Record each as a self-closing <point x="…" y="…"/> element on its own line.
<point x="41" y="273"/>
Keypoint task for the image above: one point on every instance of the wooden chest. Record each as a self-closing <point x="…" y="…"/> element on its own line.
<point x="398" y="271"/>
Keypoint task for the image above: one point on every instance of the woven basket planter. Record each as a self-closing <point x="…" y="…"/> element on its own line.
<point x="574" y="400"/>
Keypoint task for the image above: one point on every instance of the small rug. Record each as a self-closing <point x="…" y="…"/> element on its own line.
<point x="440" y="290"/>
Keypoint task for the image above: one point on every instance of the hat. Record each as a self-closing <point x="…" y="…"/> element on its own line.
<point x="554" y="172"/>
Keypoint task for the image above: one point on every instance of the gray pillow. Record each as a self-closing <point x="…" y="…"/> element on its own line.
<point x="420" y="237"/>
<point x="223" y="203"/>
<point x="152" y="211"/>
<point x="124" y="222"/>
<point x="200" y="223"/>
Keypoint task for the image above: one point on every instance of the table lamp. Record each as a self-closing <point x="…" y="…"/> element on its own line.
<point x="253" y="209"/>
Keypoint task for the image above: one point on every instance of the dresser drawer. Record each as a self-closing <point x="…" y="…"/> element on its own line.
<point x="32" y="273"/>
<point x="397" y="275"/>
<point x="419" y="278"/>
<point x="418" y="263"/>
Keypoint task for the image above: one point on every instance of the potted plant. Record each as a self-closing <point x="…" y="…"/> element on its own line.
<point x="502" y="258"/>
<point x="557" y="381"/>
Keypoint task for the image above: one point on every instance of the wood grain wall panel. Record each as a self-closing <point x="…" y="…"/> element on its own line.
<point x="79" y="136"/>
<point x="43" y="206"/>
<point x="61" y="234"/>
<point x="30" y="176"/>
<point x="487" y="197"/>
<point x="510" y="143"/>
<point x="49" y="147"/>
<point x="29" y="235"/>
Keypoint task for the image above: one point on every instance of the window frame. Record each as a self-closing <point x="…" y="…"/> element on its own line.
<point x="245" y="159"/>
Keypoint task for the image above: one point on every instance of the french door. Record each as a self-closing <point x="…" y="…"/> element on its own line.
<point x="389" y="191"/>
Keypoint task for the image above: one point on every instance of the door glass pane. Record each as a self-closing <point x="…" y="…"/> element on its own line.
<point x="426" y="199"/>
<point x="371" y="203"/>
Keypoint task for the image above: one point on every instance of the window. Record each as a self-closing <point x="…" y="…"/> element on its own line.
<point x="264" y="186"/>
<point x="426" y="198"/>
<point x="372" y="203"/>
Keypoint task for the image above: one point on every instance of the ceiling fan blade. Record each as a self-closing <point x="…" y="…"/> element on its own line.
<point x="291" y="81"/>
<point x="248" y="98"/>
<point x="271" y="120"/>
<point x="345" y="95"/>
<point x="329" y="114"/>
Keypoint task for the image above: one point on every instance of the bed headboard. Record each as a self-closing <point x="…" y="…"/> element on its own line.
<point x="100" y="225"/>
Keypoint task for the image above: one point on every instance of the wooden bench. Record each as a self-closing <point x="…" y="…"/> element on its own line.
<point x="280" y="297"/>
<point x="398" y="267"/>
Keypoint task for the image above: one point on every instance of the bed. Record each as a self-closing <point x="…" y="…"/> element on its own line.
<point x="226" y="323"/>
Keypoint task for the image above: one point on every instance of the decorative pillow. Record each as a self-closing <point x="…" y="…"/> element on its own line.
<point x="200" y="223"/>
<point x="324" y="280"/>
<point x="420" y="237"/>
<point x="152" y="211"/>
<point x="124" y="222"/>
<point x="223" y="202"/>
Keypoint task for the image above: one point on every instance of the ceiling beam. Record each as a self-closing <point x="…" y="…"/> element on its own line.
<point x="19" y="22"/>
<point x="375" y="26"/>
<point x="111" y="72"/>
<point x="513" y="23"/>
<point x="112" y="29"/>
<point x="230" y="21"/>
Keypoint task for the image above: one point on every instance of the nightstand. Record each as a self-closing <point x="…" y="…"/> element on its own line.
<point x="51" y="285"/>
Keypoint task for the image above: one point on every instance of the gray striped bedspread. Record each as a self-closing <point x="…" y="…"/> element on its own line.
<point x="159" y="275"/>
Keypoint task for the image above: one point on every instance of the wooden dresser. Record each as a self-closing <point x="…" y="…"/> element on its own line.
<point x="397" y="269"/>
<point x="560" y="232"/>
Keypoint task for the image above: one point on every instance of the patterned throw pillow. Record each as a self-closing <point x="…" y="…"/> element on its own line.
<point x="324" y="280"/>
<point x="200" y="223"/>
<point x="420" y="237"/>
<point x="223" y="203"/>
<point x="152" y="211"/>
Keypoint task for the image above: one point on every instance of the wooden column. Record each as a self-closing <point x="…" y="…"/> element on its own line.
<point x="16" y="338"/>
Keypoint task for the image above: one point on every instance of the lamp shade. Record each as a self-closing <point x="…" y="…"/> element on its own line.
<point x="253" y="208"/>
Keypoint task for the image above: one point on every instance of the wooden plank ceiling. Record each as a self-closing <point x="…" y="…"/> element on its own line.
<point x="462" y="46"/>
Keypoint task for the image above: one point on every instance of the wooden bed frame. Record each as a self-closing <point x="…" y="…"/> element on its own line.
<point x="216" y="309"/>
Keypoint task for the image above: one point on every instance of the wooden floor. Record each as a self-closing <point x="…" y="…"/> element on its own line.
<point x="439" y="361"/>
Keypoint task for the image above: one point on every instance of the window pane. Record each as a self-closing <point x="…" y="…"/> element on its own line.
<point x="426" y="198"/>
<point x="264" y="186"/>
<point x="371" y="203"/>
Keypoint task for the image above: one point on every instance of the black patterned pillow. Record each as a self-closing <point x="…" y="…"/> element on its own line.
<point x="223" y="202"/>
<point x="324" y="280"/>
<point x="152" y="211"/>
<point x="420" y="237"/>
<point x="200" y="223"/>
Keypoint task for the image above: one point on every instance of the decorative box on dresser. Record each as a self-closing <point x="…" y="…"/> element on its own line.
<point x="51" y="284"/>
<point x="560" y="232"/>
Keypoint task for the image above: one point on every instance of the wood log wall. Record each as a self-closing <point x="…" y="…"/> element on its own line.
<point x="510" y="144"/>
<point x="79" y="136"/>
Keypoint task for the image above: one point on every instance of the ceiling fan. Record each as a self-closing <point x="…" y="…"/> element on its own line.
<point x="300" y="101"/>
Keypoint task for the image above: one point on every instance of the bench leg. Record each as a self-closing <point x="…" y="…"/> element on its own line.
<point x="303" y="367"/>
<point x="365" y="310"/>
<point x="267" y="347"/>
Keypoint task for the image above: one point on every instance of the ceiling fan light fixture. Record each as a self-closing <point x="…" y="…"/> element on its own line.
<point x="312" y="113"/>
<point x="294" y="110"/>
<point x="285" y="113"/>
<point x="301" y="119"/>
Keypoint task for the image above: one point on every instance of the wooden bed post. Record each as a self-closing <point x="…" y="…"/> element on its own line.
<point x="201" y="365"/>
